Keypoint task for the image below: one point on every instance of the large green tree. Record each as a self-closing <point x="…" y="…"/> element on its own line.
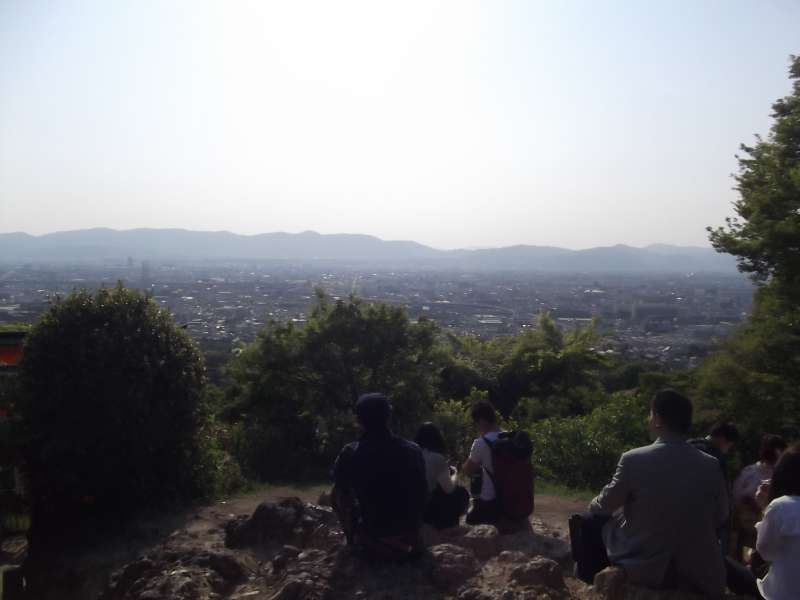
<point x="542" y="372"/>
<point x="765" y="237"/>
<point x="297" y="386"/>
<point x="755" y="378"/>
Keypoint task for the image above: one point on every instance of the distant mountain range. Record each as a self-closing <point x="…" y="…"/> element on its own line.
<point x="180" y="244"/>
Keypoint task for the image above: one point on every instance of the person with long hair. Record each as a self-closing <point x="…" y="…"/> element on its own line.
<point x="447" y="501"/>
<point x="746" y="484"/>
<point x="779" y="531"/>
<point x="746" y="510"/>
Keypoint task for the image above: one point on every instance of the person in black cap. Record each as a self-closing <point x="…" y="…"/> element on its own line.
<point x="380" y="487"/>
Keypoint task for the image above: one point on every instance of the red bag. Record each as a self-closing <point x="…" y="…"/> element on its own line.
<point x="512" y="474"/>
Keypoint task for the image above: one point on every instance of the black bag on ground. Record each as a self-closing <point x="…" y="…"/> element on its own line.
<point x="588" y="549"/>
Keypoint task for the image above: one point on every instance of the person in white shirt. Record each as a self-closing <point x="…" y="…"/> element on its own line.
<point x="484" y="508"/>
<point x="779" y="531"/>
<point x="447" y="501"/>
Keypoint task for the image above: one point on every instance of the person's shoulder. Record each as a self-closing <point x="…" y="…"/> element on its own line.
<point x="433" y="457"/>
<point x="704" y="446"/>
<point x="407" y="445"/>
<point x="640" y="452"/>
<point x="344" y="461"/>
<point x="785" y="504"/>
<point x="479" y="442"/>
<point x="708" y="460"/>
<point x="348" y="450"/>
<point x="750" y="470"/>
<point x="784" y="513"/>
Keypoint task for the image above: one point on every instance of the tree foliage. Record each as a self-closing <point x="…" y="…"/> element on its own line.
<point x="765" y="237"/>
<point x="754" y="378"/>
<point x="583" y="451"/>
<point x="542" y="372"/>
<point x="298" y="386"/>
<point x="112" y="407"/>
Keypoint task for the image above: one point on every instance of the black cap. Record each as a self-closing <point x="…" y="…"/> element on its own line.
<point x="373" y="410"/>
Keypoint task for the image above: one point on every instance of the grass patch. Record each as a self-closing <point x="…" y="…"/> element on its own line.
<point x="304" y="488"/>
<point x="551" y="488"/>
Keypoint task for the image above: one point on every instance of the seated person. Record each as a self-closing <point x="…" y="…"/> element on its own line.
<point x="719" y="443"/>
<point x="779" y="531"/>
<point x="446" y="501"/>
<point x="380" y="489"/>
<point x="746" y="484"/>
<point x="748" y="512"/>
<point x="485" y="507"/>
<point x="669" y="500"/>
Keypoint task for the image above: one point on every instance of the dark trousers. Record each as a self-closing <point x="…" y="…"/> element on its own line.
<point x="445" y="510"/>
<point x="372" y="547"/>
<point x="588" y="549"/>
<point x="740" y="579"/>
<point x="589" y="554"/>
<point x="483" y="511"/>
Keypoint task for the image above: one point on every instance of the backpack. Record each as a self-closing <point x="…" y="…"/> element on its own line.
<point x="513" y="473"/>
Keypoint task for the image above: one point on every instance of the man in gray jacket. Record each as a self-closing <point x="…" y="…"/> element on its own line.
<point x="672" y="499"/>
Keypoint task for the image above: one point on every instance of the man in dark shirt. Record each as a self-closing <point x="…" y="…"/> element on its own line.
<point x="380" y="488"/>
<point x="719" y="443"/>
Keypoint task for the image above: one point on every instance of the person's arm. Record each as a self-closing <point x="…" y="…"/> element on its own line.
<point x="763" y="493"/>
<point x="343" y="500"/>
<point x="615" y="494"/>
<point x="444" y="478"/>
<point x="723" y="501"/>
<point x="768" y="540"/>
<point x="470" y="468"/>
<point x="419" y="486"/>
<point x="473" y="464"/>
<point x="743" y="485"/>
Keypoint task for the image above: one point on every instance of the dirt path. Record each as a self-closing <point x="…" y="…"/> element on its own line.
<point x="555" y="511"/>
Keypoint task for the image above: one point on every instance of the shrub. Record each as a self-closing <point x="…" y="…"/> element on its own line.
<point x="112" y="407"/>
<point x="582" y="452"/>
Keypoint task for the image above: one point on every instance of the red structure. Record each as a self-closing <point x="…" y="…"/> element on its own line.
<point x="10" y="350"/>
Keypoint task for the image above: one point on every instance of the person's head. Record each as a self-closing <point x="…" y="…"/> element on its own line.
<point x="374" y="412"/>
<point x="484" y="416"/>
<point x="430" y="438"/>
<point x="670" y="412"/>
<point x="724" y="436"/>
<point x="771" y="448"/>
<point x="786" y="476"/>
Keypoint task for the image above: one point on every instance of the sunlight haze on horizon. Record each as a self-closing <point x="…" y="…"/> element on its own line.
<point x="453" y="124"/>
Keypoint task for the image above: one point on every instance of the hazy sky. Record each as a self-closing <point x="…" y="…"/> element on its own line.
<point x="451" y="123"/>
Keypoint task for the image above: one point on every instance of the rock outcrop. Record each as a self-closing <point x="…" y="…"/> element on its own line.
<point x="184" y="575"/>
<point x="289" y="550"/>
<point x="612" y="584"/>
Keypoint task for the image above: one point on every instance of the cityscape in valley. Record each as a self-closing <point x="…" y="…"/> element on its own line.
<point x="670" y="316"/>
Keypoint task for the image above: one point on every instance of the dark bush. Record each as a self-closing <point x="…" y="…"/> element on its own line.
<point x="112" y="404"/>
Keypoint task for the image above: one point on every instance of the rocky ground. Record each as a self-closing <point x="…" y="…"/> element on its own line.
<point x="291" y="549"/>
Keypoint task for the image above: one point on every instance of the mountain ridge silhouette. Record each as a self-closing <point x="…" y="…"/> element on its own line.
<point x="184" y="244"/>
